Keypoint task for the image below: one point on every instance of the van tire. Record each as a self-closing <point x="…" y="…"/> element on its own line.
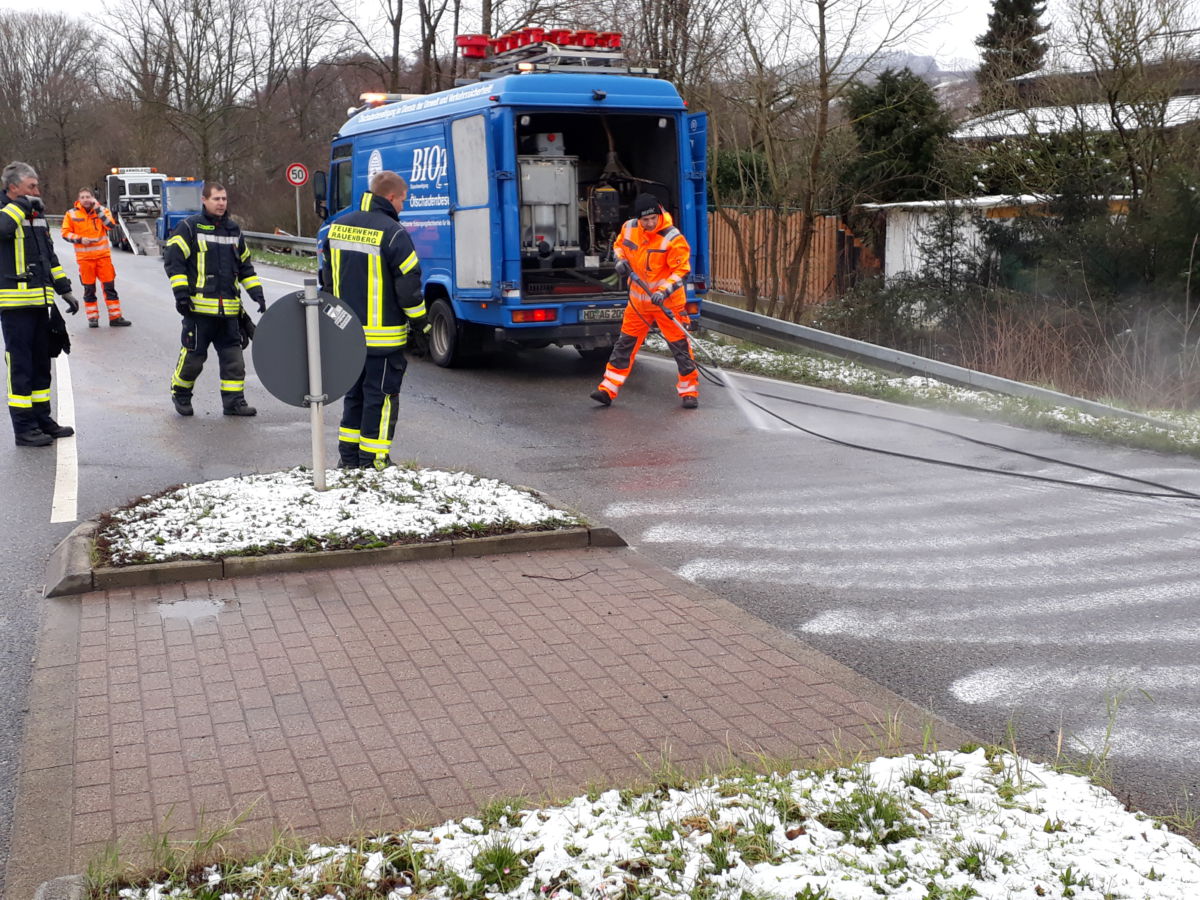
<point x="443" y="334"/>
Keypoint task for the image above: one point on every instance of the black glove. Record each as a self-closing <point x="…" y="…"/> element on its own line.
<point x="418" y="336"/>
<point x="36" y="204"/>
<point x="183" y="305"/>
<point x="246" y="328"/>
<point x="72" y="303"/>
<point x="658" y="297"/>
<point x="623" y="268"/>
<point x="24" y="202"/>
<point x="260" y="300"/>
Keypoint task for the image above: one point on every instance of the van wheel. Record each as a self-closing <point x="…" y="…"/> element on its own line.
<point x="443" y="335"/>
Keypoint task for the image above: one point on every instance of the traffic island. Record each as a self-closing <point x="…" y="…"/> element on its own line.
<point x="69" y="570"/>
<point x="280" y="525"/>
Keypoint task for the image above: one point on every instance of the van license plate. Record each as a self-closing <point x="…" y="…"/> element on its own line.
<point x="611" y="314"/>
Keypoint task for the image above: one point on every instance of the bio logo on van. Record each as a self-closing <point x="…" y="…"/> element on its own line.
<point x="374" y="164"/>
<point x="429" y="165"/>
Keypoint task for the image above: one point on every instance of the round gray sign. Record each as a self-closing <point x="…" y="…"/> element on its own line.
<point x="280" y="348"/>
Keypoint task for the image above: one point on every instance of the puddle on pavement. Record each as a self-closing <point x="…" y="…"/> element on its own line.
<point x="195" y="610"/>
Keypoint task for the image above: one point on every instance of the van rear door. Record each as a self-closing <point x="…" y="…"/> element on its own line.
<point x="472" y="207"/>
<point x="697" y="185"/>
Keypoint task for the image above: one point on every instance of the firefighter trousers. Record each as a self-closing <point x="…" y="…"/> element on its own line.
<point x="635" y="325"/>
<point x="369" y="413"/>
<point x="27" y="361"/>
<point x="223" y="334"/>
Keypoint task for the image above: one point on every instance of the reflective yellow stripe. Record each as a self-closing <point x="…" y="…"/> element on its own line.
<point x="336" y="257"/>
<point x="41" y="396"/>
<point x="19" y="251"/>
<point x="374" y="292"/>
<point x="228" y="386"/>
<point x="386" y="335"/>
<point x="245" y="254"/>
<point x="15" y="212"/>
<point x="176" y="380"/>
<point x="20" y="401"/>
<point x="349" y="435"/>
<point x="201" y="261"/>
<point x="251" y="282"/>
<point x="179" y="242"/>
<point x="212" y="306"/>
<point x="179" y="281"/>
<point x="415" y="312"/>
<point x="409" y="264"/>
<point x="364" y="203"/>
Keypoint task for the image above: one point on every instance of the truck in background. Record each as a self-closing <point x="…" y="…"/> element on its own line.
<point x="134" y="196"/>
<point x="180" y="198"/>
<point x="519" y="184"/>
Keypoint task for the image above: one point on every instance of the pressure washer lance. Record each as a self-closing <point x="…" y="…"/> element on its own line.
<point x="747" y="407"/>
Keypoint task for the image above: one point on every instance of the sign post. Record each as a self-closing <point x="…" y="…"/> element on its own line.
<point x="297" y="177"/>
<point x="336" y="351"/>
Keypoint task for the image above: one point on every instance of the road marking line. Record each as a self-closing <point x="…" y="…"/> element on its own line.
<point x="290" y="284"/>
<point x="66" y="476"/>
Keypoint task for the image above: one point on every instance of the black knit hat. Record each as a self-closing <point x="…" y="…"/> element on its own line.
<point x="646" y="205"/>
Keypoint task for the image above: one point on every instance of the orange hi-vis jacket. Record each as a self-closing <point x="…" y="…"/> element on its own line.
<point x="79" y="223"/>
<point x="660" y="258"/>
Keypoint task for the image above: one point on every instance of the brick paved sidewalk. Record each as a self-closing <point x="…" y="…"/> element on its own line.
<point x="335" y="700"/>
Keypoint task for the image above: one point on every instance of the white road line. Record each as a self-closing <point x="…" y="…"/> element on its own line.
<point x="66" y="476"/>
<point x="290" y="284"/>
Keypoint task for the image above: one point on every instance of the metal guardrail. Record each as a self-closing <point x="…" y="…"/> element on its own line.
<point x="287" y="240"/>
<point x="730" y="320"/>
<point x="788" y="336"/>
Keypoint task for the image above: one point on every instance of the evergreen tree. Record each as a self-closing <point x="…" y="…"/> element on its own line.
<point x="901" y="130"/>
<point x="1011" y="47"/>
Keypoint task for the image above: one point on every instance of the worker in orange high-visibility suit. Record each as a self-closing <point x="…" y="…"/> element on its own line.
<point x="86" y="225"/>
<point x="652" y="249"/>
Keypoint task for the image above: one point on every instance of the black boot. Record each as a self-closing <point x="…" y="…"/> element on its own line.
<point x="52" y="428"/>
<point x="239" y="407"/>
<point x="34" y="438"/>
<point x="183" y="404"/>
<point x="601" y="396"/>
<point x="119" y="322"/>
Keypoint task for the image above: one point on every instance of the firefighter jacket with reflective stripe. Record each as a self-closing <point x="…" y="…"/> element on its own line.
<point x="207" y="260"/>
<point x="660" y="258"/>
<point x="371" y="266"/>
<point x="79" y="223"/>
<point x="29" y="271"/>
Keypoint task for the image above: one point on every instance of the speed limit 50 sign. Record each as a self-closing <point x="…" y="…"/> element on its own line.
<point x="297" y="174"/>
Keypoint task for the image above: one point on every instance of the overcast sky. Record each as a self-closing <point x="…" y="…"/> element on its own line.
<point x="948" y="42"/>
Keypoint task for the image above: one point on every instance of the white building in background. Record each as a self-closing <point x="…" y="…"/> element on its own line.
<point x="904" y="225"/>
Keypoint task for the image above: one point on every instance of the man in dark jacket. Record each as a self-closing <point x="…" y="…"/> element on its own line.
<point x="370" y="265"/>
<point x="208" y="261"/>
<point x="29" y="278"/>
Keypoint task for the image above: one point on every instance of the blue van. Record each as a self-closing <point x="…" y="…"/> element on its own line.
<point x="518" y="185"/>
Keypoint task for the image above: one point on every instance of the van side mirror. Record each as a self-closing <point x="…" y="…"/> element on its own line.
<point x="319" y="194"/>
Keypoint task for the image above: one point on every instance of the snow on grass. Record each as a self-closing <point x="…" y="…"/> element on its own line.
<point x="944" y="826"/>
<point x="1180" y="432"/>
<point x="281" y="511"/>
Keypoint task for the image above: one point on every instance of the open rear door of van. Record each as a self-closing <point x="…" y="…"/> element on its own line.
<point x="697" y="136"/>
<point x="473" y="205"/>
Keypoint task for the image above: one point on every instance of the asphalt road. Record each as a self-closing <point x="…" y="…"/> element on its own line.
<point x="1004" y="605"/>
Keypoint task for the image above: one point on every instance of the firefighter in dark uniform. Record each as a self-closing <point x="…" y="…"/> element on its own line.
<point x="370" y="265"/>
<point x="29" y="278"/>
<point x="207" y="260"/>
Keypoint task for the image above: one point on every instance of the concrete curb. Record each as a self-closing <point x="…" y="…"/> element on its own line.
<point x="68" y="887"/>
<point x="69" y="570"/>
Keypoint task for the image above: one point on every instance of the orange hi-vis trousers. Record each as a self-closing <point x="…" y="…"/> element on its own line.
<point x="93" y="269"/>
<point x="639" y="316"/>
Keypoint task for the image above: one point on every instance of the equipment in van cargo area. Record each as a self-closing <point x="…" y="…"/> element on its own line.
<point x="520" y="182"/>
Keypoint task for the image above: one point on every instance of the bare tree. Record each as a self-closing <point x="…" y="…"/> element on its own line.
<point x="206" y="50"/>
<point x="50" y="104"/>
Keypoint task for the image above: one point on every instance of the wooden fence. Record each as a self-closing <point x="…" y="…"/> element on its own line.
<point x="836" y="257"/>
